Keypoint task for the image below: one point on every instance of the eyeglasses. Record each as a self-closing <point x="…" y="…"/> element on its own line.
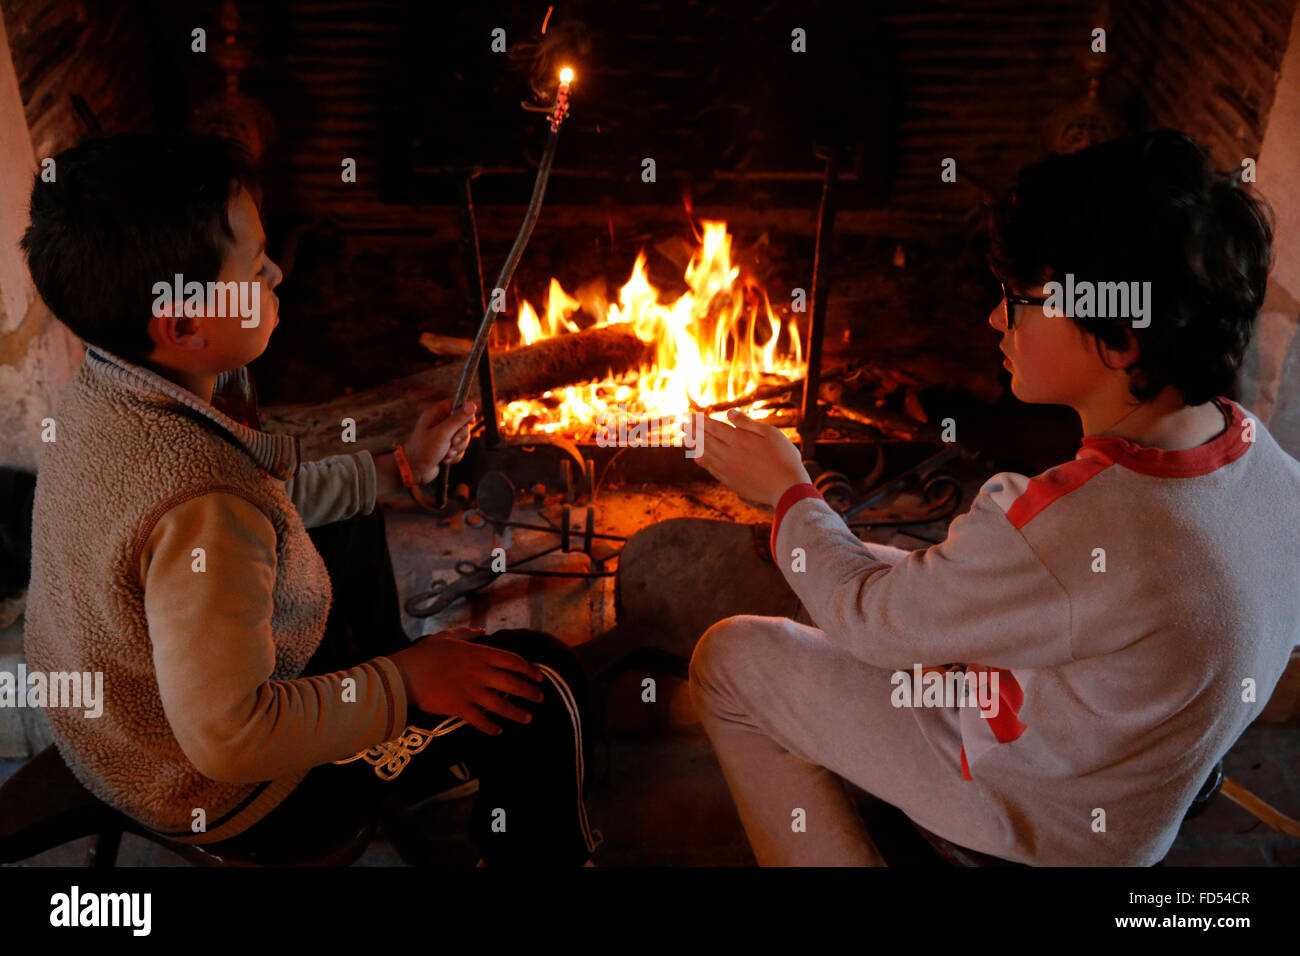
<point x="1010" y="300"/>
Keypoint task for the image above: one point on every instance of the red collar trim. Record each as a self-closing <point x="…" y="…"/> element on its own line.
<point x="1186" y="463"/>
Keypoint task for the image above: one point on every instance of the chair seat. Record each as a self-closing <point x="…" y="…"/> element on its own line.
<point x="44" y="806"/>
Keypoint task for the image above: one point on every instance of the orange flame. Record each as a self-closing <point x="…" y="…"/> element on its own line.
<point x="713" y="344"/>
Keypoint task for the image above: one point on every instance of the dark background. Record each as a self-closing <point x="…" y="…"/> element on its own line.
<point x="712" y="91"/>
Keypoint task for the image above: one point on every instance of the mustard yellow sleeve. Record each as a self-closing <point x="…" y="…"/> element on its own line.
<point x="214" y="655"/>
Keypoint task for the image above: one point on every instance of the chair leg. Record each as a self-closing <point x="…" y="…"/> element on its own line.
<point x="1254" y="805"/>
<point x="103" y="855"/>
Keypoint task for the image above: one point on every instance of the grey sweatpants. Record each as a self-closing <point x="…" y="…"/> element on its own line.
<point x="791" y="717"/>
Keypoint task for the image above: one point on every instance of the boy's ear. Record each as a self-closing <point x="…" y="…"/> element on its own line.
<point x="171" y="328"/>
<point x="1120" y="358"/>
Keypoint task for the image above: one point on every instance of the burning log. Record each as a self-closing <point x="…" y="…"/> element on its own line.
<point x="760" y="394"/>
<point x="830" y="391"/>
<point x="385" y="414"/>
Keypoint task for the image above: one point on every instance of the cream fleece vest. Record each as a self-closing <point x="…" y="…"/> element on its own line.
<point x="128" y="446"/>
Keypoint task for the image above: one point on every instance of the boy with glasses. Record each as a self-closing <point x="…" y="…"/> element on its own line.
<point x="1137" y="604"/>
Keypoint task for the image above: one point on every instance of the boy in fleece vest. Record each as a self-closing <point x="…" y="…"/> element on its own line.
<point x="170" y="553"/>
<point x="1137" y="604"/>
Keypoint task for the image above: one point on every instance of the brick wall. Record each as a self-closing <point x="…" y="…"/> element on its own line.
<point x="102" y="50"/>
<point x="925" y="79"/>
<point x="977" y="82"/>
<point x="972" y="79"/>
<point x="1207" y="67"/>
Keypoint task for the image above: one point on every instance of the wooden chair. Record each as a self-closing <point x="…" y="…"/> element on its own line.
<point x="44" y="806"/>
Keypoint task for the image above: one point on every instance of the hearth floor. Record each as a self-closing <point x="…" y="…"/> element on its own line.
<point x="657" y="794"/>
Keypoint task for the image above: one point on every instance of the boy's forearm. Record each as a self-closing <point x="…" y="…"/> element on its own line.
<point x="388" y="476"/>
<point x="398" y="660"/>
<point x="827" y="567"/>
<point x="388" y="480"/>
<point x="335" y="488"/>
<point x="982" y="595"/>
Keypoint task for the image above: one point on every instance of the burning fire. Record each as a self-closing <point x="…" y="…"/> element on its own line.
<point x="717" y="343"/>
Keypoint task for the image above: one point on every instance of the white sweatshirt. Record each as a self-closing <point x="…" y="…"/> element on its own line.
<point x="1144" y="603"/>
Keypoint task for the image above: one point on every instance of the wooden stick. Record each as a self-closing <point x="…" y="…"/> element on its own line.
<point x="1258" y="808"/>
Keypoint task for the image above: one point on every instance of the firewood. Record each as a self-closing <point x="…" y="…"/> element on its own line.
<point x="445" y="344"/>
<point x="889" y="422"/>
<point x="385" y="414"/>
<point x="761" y="393"/>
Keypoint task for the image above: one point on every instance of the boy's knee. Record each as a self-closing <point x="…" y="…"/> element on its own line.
<point x="724" y="642"/>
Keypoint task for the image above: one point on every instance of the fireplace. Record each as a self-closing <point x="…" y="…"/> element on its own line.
<point x="773" y="208"/>
<point x="374" y="260"/>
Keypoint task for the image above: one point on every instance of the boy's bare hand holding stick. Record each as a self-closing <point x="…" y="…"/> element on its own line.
<point x="439" y="438"/>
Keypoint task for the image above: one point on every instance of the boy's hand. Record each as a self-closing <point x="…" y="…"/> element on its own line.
<point x="754" y="460"/>
<point x="439" y="437"/>
<point x="446" y="674"/>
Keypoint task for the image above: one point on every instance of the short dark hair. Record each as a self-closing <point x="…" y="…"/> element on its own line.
<point x="1146" y="208"/>
<point x="123" y="213"/>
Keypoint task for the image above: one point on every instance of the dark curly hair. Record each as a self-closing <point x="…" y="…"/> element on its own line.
<point x="124" y="212"/>
<point x="1146" y="208"/>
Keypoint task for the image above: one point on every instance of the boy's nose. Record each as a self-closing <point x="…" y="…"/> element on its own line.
<point x="998" y="317"/>
<point x="274" y="273"/>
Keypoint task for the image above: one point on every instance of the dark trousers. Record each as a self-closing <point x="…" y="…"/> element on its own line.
<point x="530" y="806"/>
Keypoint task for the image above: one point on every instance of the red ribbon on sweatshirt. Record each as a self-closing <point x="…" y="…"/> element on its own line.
<point x="1006" y="725"/>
